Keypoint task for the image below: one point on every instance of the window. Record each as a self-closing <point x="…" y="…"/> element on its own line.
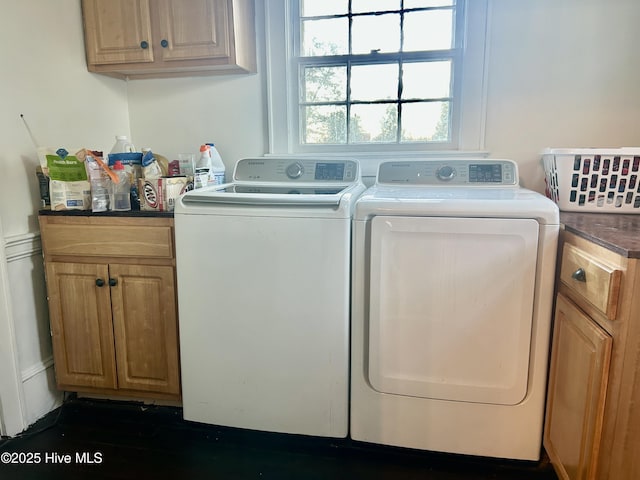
<point x="406" y="46"/>
<point x="375" y="75"/>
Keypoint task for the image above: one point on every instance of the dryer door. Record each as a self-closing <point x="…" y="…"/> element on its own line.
<point x="451" y="307"/>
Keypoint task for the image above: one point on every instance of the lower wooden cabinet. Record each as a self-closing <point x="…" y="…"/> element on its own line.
<point x="577" y="391"/>
<point x="592" y="423"/>
<point x="113" y="318"/>
<point x="144" y="325"/>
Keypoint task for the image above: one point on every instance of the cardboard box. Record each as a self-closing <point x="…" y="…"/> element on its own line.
<point x="160" y="194"/>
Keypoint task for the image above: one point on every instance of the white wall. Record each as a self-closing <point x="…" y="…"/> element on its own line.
<point x="561" y="73"/>
<point x="43" y="77"/>
<point x="174" y="116"/>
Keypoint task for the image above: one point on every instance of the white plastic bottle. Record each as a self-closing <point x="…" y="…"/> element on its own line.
<point x="202" y="168"/>
<point x="216" y="176"/>
<point x="122" y="145"/>
<point x="120" y="192"/>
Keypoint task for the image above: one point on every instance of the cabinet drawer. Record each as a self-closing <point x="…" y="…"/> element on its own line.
<point x="148" y="241"/>
<point x="593" y="280"/>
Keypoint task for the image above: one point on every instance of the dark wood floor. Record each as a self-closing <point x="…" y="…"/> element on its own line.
<point x="134" y="441"/>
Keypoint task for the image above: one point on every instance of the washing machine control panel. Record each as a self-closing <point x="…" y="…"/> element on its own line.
<point x="296" y="170"/>
<point x="480" y="172"/>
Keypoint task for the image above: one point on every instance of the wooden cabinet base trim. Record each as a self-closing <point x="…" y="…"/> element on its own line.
<point x="120" y="394"/>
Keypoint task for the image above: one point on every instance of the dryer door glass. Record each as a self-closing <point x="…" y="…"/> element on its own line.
<point x="451" y="307"/>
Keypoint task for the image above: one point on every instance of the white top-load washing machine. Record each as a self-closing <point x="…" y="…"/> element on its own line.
<point x="453" y="272"/>
<point x="263" y="270"/>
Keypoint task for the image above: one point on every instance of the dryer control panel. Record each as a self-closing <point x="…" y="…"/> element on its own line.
<point x="478" y="172"/>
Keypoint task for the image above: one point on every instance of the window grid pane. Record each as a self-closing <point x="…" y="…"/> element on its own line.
<point x="374" y="82"/>
<point x="324" y="124"/>
<point x="366" y="37"/>
<point x="390" y="95"/>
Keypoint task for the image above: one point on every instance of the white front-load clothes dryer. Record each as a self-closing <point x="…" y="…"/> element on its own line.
<point x="452" y="285"/>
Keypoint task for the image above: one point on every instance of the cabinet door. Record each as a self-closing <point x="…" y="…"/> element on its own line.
<point x="197" y="29"/>
<point x="117" y="31"/>
<point x="143" y="300"/>
<point x="577" y="389"/>
<point x="81" y="328"/>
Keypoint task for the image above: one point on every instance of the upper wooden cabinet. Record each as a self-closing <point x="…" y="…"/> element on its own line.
<point x="165" y="38"/>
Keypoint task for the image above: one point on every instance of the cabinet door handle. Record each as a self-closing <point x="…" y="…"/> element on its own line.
<point x="144" y="44"/>
<point x="164" y="43"/>
<point x="579" y="275"/>
<point x="113" y="282"/>
<point x="99" y="282"/>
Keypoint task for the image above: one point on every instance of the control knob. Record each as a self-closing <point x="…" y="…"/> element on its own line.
<point x="295" y="170"/>
<point x="445" y="173"/>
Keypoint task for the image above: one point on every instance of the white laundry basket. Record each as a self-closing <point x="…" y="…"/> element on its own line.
<point x="593" y="179"/>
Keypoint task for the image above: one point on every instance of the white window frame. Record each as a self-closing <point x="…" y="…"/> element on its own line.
<point x="470" y="99"/>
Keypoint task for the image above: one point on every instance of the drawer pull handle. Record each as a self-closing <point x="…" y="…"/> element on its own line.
<point x="100" y="282"/>
<point x="113" y="282"/>
<point x="579" y="275"/>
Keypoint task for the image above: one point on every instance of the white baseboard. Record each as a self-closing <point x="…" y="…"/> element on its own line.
<point x="34" y="370"/>
<point x="40" y="393"/>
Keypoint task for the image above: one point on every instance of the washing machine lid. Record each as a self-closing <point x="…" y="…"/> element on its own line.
<point x="268" y="195"/>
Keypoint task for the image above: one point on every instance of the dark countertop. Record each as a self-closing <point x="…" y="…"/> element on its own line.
<point x="618" y="233"/>
<point x="89" y="213"/>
